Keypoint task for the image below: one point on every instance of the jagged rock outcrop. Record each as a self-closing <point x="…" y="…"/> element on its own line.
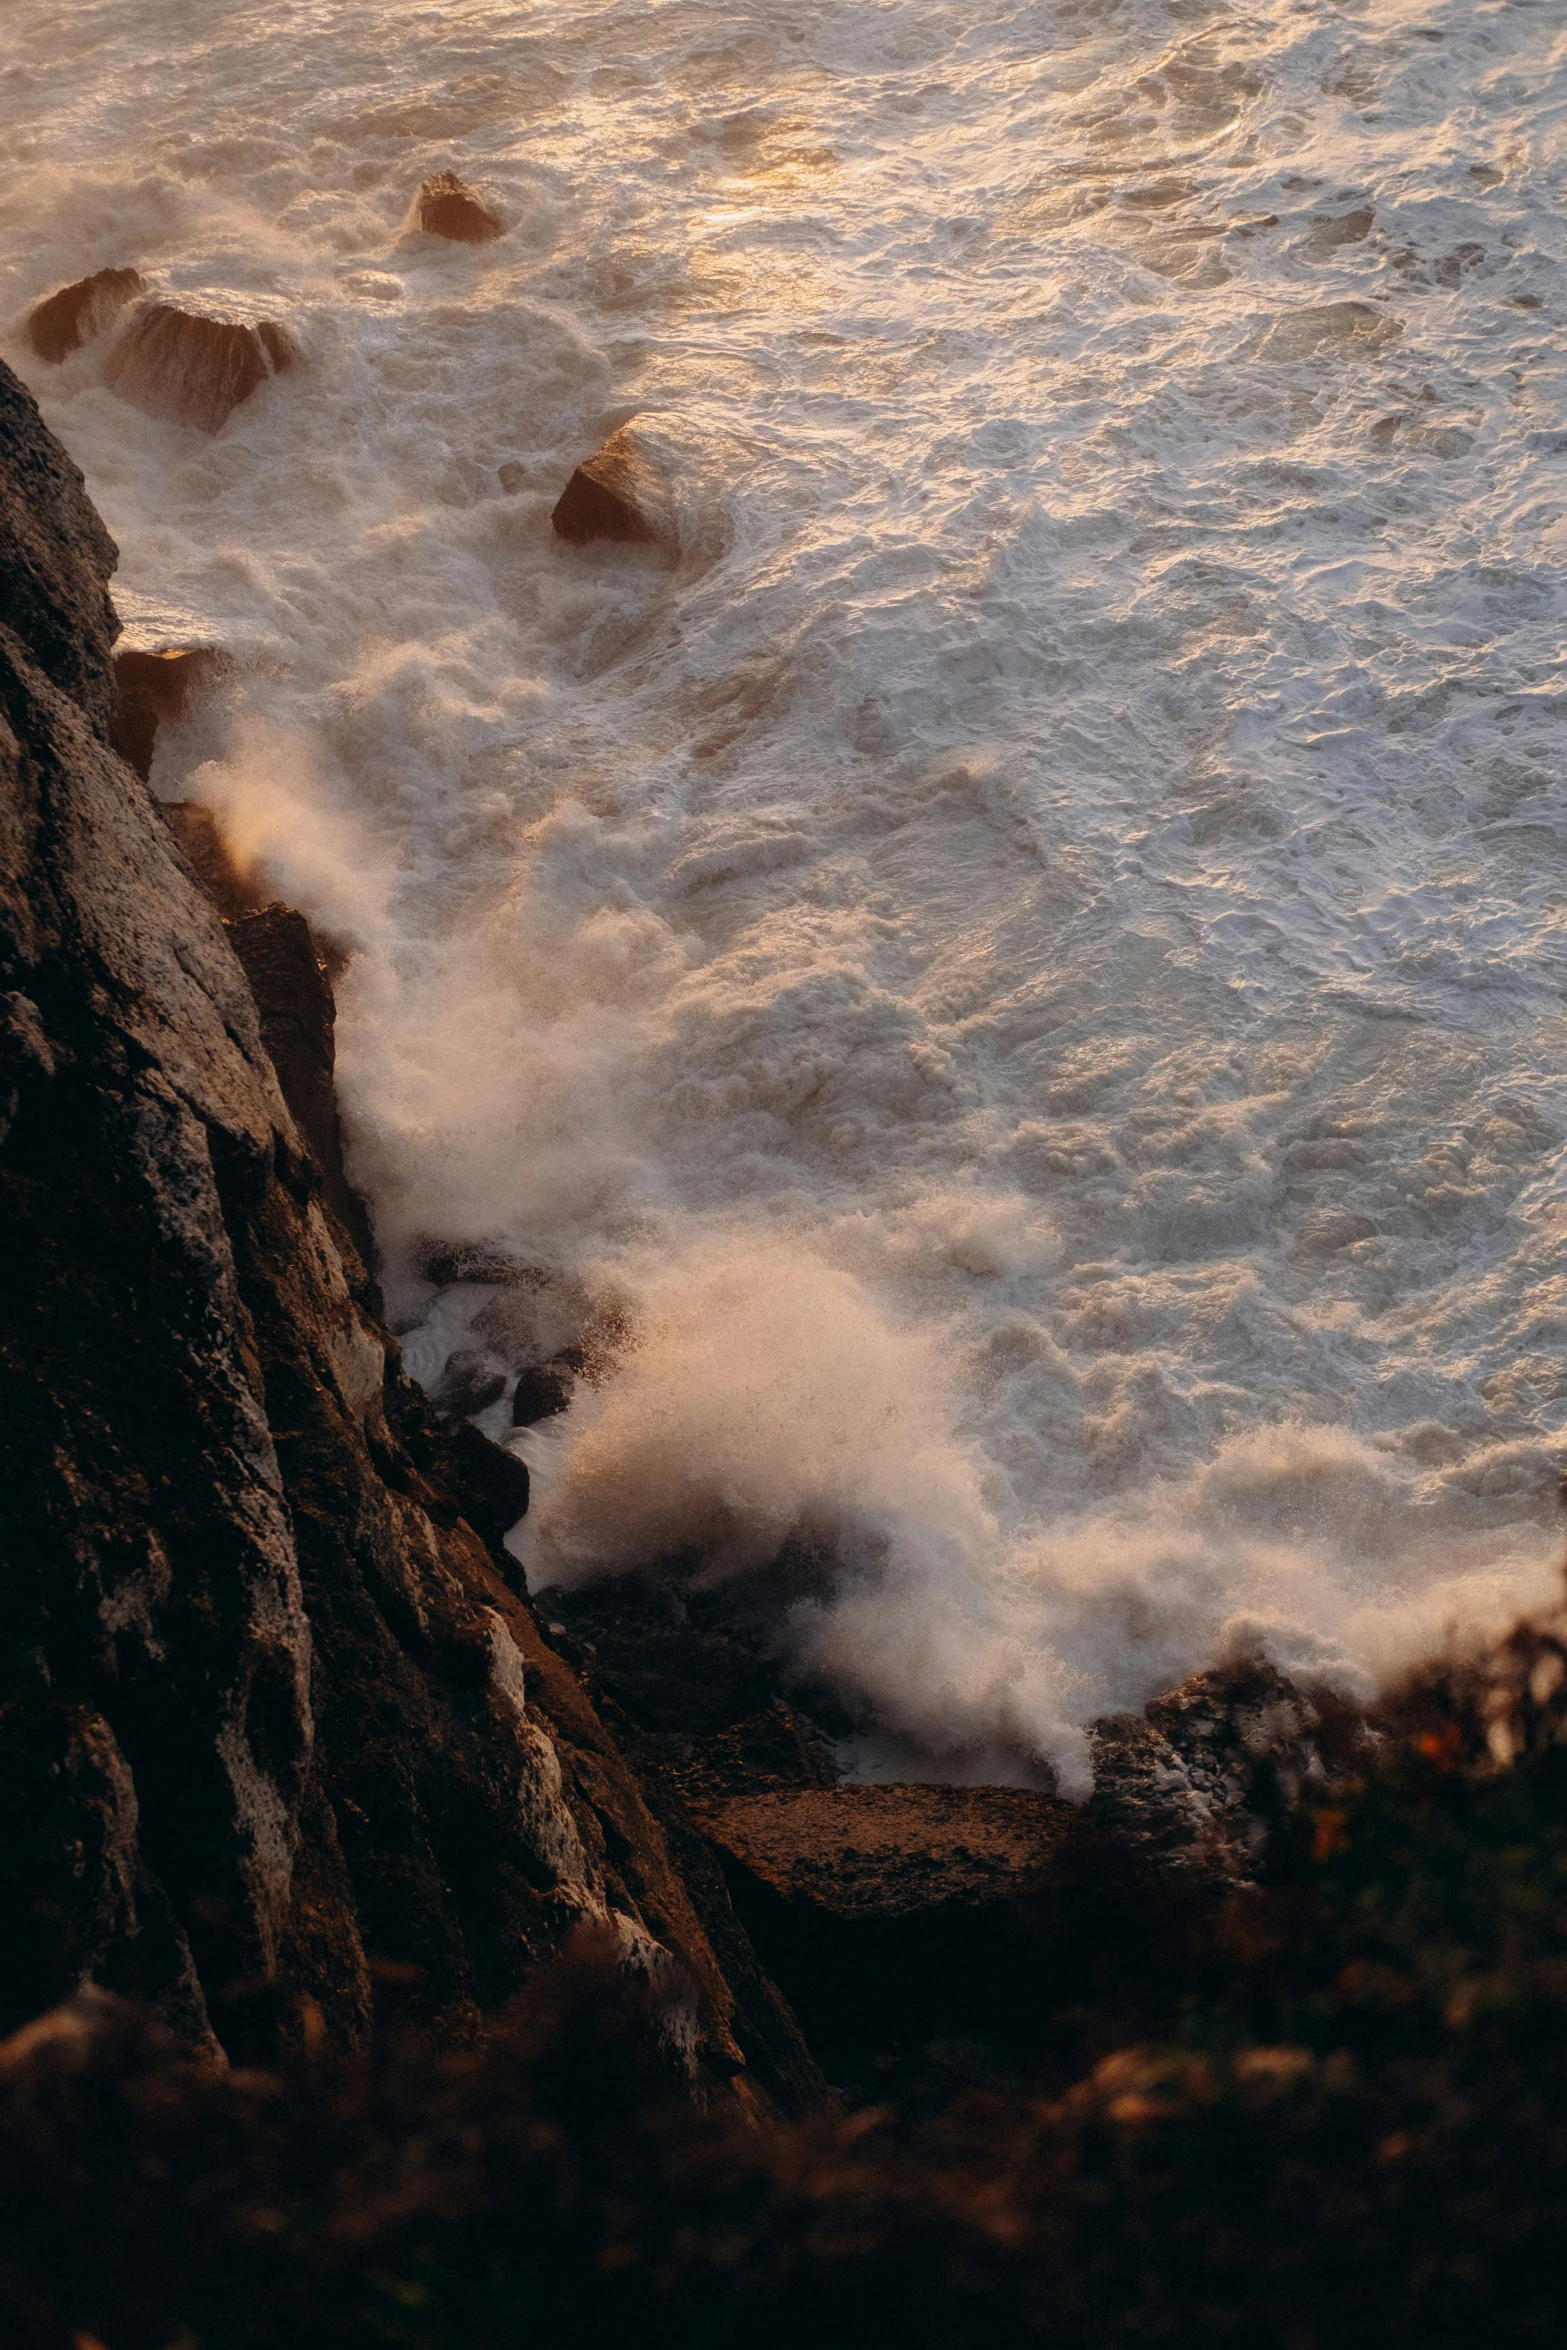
<point x="279" y="1737"/>
<point x="447" y="207"/>
<point x="196" y="366"/>
<point x="1198" y="1781"/>
<point x="62" y="322"/>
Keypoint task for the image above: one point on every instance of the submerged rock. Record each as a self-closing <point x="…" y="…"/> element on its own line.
<point x="447" y="207"/>
<point x="620" y="492"/>
<point x="62" y="322"/>
<point x="195" y="366"/>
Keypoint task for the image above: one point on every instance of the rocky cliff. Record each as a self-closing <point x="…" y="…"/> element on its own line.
<point x="279" y="1736"/>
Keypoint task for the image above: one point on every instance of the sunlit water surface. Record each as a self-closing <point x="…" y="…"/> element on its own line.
<point x="1029" y="967"/>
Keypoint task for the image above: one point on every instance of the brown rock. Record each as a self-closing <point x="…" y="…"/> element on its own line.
<point x="907" y="1926"/>
<point x="618" y="493"/>
<point x="150" y="687"/>
<point x="195" y="366"/>
<point x="62" y="322"/>
<point x="447" y="207"/>
<point x="891" y="1852"/>
<point x="234" y="889"/>
<point x="542" y="1391"/>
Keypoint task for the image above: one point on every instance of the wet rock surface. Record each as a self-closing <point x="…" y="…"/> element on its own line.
<point x="618" y="493"/>
<point x="193" y="366"/>
<point x="447" y="207"/>
<point x="280" y="1742"/>
<point x="62" y="322"/>
<point x="151" y="688"/>
<point x="56" y="560"/>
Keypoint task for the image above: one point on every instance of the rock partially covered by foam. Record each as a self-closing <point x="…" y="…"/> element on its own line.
<point x="151" y="687"/>
<point x="196" y="366"/>
<point x="620" y="492"/>
<point x="62" y="322"/>
<point x="447" y="207"/>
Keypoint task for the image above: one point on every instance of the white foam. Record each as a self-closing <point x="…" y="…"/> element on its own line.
<point x="1030" y="961"/>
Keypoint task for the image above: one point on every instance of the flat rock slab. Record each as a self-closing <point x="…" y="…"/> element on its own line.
<point x="863" y="1853"/>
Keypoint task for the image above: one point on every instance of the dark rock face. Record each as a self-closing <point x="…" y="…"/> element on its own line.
<point x="232" y="889"/>
<point x="900" y="1921"/>
<point x="62" y="322"/>
<point x="617" y="493"/>
<point x="152" y="687"/>
<point x="55" y="559"/>
<point x="279" y="1740"/>
<point x="447" y="207"/>
<point x="294" y="998"/>
<point x="192" y="367"/>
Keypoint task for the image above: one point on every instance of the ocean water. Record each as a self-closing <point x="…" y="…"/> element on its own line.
<point x="1020" y="982"/>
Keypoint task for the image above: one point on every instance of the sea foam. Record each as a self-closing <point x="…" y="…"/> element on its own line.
<point x="1021" y="973"/>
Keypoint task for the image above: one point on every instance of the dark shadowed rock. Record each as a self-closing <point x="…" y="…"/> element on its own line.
<point x="901" y="1922"/>
<point x="543" y="1391"/>
<point x="195" y="366"/>
<point x="492" y="1482"/>
<point x="55" y="559"/>
<point x="470" y="1383"/>
<point x="152" y="687"/>
<point x="62" y="322"/>
<point x="447" y="207"/>
<point x="298" y="1010"/>
<point x="673" y="1660"/>
<point x="618" y="493"/>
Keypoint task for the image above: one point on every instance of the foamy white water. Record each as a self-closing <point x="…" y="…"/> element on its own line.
<point x="1031" y="964"/>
